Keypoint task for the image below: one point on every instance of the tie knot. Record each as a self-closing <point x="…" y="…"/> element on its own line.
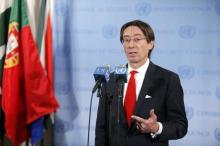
<point x="133" y="72"/>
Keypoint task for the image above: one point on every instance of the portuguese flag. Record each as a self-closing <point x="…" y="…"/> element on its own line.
<point x="27" y="93"/>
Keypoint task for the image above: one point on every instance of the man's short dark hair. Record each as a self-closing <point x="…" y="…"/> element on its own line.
<point x="144" y="27"/>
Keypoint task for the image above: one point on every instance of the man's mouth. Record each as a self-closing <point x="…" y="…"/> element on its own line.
<point x="132" y="53"/>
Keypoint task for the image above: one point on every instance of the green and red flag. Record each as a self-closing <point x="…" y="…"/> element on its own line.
<point x="27" y="92"/>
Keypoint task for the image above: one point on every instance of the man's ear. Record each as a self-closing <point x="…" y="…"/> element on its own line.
<point x="151" y="45"/>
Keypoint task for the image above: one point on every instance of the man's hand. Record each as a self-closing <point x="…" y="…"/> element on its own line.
<point x="149" y="125"/>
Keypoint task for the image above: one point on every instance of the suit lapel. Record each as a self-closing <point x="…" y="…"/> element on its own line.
<point x="147" y="83"/>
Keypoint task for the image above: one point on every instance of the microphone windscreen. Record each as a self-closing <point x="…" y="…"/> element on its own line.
<point x="121" y="73"/>
<point x="102" y="73"/>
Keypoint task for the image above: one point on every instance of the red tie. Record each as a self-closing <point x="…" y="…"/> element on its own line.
<point x="130" y="97"/>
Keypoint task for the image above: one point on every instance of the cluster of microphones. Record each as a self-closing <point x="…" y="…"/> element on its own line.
<point x="102" y="74"/>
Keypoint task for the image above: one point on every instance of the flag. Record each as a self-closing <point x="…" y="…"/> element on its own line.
<point x="27" y="92"/>
<point x="44" y="45"/>
<point x="5" y="9"/>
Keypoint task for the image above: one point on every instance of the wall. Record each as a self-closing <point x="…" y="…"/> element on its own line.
<point x="86" y="35"/>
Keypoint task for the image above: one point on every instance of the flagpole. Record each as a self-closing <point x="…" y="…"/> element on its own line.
<point x="27" y="142"/>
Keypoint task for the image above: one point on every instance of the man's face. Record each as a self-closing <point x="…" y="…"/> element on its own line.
<point x="136" y="46"/>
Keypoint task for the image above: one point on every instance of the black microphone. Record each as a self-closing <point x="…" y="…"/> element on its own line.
<point x="121" y="78"/>
<point x="121" y="73"/>
<point x="101" y="75"/>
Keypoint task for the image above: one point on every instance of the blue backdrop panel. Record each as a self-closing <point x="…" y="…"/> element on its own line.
<point x="86" y="35"/>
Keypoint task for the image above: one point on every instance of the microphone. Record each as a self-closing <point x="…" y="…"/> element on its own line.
<point x="101" y="75"/>
<point x="121" y="73"/>
<point x="121" y="77"/>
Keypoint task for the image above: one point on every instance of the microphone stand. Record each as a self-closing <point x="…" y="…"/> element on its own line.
<point x="108" y="100"/>
<point x="99" y="92"/>
<point x="98" y="86"/>
<point x="120" y="98"/>
<point x="102" y="93"/>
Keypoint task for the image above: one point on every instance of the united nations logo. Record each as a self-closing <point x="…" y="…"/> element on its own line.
<point x="186" y="72"/>
<point x="109" y="31"/>
<point x="217" y="134"/>
<point x="217" y="92"/>
<point x="187" y="31"/>
<point x="189" y="112"/>
<point x="143" y="8"/>
<point x="218" y="52"/>
<point x="121" y="69"/>
<point x="217" y="8"/>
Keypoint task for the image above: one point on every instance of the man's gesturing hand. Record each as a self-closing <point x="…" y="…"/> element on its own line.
<point x="149" y="125"/>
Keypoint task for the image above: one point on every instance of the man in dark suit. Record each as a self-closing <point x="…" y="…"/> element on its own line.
<point x="151" y="111"/>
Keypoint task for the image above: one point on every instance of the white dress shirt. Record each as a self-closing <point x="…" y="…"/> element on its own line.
<point x="139" y="78"/>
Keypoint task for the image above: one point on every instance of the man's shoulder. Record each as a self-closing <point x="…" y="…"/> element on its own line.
<point x="163" y="71"/>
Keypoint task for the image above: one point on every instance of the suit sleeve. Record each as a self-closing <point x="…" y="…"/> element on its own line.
<point x="176" y="124"/>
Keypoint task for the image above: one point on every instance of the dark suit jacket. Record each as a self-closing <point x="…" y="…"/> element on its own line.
<point x="167" y="100"/>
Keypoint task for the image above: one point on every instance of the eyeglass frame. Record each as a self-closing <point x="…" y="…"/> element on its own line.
<point x="135" y="40"/>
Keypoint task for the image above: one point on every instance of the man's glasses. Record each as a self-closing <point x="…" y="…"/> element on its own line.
<point x="136" y="40"/>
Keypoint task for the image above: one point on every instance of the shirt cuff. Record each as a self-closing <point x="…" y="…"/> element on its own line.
<point x="153" y="135"/>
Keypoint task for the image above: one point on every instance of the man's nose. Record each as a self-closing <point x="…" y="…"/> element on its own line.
<point x="131" y="43"/>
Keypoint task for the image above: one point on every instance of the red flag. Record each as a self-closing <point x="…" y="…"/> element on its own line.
<point x="27" y="92"/>
<point x="44" y="44"/>
<point x="48" y="43"/>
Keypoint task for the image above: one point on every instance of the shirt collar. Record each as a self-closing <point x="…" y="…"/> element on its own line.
<point x="140" y="70"/>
